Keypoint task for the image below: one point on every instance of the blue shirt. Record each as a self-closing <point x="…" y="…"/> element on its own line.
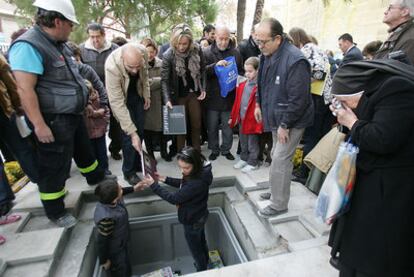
<point x="24" y="57"/>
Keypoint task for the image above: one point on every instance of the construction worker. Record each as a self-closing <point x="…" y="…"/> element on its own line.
<point x="54" y="96"/>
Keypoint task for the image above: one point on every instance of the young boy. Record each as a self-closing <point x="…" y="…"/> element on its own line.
<point x="243" y="114"/>
<point x="111" y="220"/>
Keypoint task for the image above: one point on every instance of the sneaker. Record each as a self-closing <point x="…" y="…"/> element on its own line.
<point x="66" y="221"/>
<point x="133" y="179"/>
<point x="269" y="211"/>
<point x="213" y="156"/>
<point x="265" y="195"/>
<point x="116" y="156"/>
<point x="240" y="164"/>
<point x="229" y="156"/>
<point x="249" y="168"/>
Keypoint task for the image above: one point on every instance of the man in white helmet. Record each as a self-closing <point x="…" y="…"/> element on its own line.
<point x="54" y="96"/>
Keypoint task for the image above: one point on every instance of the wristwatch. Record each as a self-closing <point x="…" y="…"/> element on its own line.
<point x="283" y="126"/>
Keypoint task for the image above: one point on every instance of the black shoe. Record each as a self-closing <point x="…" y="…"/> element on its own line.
<point x="229" y="156"/>
<point x="108" y="172"/>
<point x="116" y="156"/>
<point x="133" y="179"/>
<point x="299" y="180"/>
<point x="166" y="157"/>
<point x="213" y="156"/>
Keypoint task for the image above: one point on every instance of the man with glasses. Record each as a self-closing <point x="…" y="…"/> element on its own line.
<point x="399" y="18"/>
<point x="127" y="84"/>
<point x="284" y="104"/>
<point x="54" y="96"/>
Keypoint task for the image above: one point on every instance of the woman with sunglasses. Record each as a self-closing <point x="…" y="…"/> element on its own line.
<point x="183" y="80"/>
<point x="190" y="199"/>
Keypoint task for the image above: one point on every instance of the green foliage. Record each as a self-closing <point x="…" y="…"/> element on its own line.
<point x="144" y="18"/>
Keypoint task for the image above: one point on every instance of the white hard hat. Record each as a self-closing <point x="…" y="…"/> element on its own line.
<point x="65" y="7"/>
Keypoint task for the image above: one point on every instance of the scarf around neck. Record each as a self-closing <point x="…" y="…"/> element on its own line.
<point x="193" y="66"/>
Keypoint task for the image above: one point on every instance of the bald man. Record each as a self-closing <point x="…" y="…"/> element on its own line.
<point x="126" y="77"/>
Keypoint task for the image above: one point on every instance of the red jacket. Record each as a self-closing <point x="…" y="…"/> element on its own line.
<point x="249" y="124"/>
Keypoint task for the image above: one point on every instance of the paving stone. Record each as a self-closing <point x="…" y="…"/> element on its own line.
<point x="293" y="231"/>
<point x="260" y="177"/>
<point x="33" y="246"/>
<point x="307" y="244"/>
<point x="37" y="269"/>
<point x="306" y="263"/>
<point x="259" y="235"/>
<point x="314" y="224"/>
<point x="245" y="183"/>
<point x="15" y="227"/>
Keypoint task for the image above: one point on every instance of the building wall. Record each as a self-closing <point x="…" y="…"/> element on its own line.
<point x="361" y="18"/>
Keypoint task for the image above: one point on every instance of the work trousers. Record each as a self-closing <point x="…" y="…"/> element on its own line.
<point x="71" y="140"/>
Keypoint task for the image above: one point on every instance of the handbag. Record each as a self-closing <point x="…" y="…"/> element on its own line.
<point x="227" y="76"/>
<point x="336" y="191"/>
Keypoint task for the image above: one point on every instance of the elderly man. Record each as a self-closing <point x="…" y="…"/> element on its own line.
<point x="94" y="52"/>
<point x="218" y="107"/>
<point x="284" y="104"/>
<point x="399" y="18"/>
<point x="127" y="85"/>
<point x="54" y="96"/>
<point x="350" y="51"/>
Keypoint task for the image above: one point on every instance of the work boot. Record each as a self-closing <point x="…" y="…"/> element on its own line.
<point x="66" y="221"/>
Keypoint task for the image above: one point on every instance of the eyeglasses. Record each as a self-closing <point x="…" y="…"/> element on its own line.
<point x="263" y="42"/>
<point x="390" y="7"/>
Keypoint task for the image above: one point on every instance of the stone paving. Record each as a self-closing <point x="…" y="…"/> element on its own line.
<point x="293" y="244"/>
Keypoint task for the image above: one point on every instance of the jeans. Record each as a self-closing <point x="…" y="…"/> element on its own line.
<point x="21" y="148"/>
<point x="99" y="148"/>
<point x="281" y="168"/>
<point x="249" y="148"/>
<point x="216" y="119"/>
<point x="196" y="240"/>
<point x="6" y="194"/>
<point x="115" y="134"/>
<point x="131" y="163"/>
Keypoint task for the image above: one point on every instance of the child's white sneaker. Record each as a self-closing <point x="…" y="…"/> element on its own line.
<point x="249" y="168"/>
<point x="240" y="164"/>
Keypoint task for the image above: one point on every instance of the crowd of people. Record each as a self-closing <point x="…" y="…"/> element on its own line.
<point x="70" y="95"/>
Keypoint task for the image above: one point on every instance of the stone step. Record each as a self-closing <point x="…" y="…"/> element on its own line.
<point x="260" y="177"/>
<point x="29" y="247"/>
<point x="35" y="269"/>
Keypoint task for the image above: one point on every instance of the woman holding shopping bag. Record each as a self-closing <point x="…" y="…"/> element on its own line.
<point x="375" y="237"/>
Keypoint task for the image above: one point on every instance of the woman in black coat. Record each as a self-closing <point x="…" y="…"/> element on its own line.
<point x="191" y="200"/>
<point x="375" y="237"/>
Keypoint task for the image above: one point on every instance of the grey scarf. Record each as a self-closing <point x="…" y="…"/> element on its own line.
<point x="193" y="66"/>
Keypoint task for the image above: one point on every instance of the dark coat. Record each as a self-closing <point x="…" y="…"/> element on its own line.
<point x="402" y="38"/>
<point x="353" y="55"/>
<point x="170" y="79"/>
<point x="248" y="48"/>
<point x="378" y="230"/>
<point x="89" y="74"/>
<point x="96" y="59"/>
<point x="284" y="89"/>
<point x="191" y="198"/>
<point x="212" y="55"/>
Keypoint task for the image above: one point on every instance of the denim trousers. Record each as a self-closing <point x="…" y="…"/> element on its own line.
<point x="215" y="119"/>
<point x="196" y="241"/>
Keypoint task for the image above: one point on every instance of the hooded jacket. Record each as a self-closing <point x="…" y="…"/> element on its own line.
<point x="191" y="197"/>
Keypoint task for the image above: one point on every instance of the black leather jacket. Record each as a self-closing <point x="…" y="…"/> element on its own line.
<point x="169" y="77"/>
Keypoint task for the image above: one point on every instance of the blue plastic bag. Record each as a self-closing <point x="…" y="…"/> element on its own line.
<point x="227" y="76"/>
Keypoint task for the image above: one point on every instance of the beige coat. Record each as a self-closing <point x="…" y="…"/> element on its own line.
<point x="117" y="82"/>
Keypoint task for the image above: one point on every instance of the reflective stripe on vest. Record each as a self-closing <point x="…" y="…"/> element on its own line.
<point x="90" y="168"/>
<point x="53" y="195"/>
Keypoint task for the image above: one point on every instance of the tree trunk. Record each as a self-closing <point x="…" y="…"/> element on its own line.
<point x="241" y="12"/>
<point x="258" y="12"/>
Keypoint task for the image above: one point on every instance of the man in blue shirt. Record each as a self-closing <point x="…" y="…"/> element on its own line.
<point x="54" y="96"/>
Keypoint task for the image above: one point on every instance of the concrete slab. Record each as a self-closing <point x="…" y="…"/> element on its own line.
<point x="313" y="224"/>
<point x="16" y="226"/>
<point x="245" y="183"/>
<point x="307" y="244"/>
<point x="308" y="263"/>
<point x="22" y="248"/>
<point x="260" y="176"/>
<point x="37" y="269"/>
<point x="293" y="231"/>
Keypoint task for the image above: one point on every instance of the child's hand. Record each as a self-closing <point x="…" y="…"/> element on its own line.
<point x="149" y="180"/>
<point x="107" y="265"/>
<point x="229" y="122"/>
<point x="140" y="186"/>
<point x="160" y="177"/>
